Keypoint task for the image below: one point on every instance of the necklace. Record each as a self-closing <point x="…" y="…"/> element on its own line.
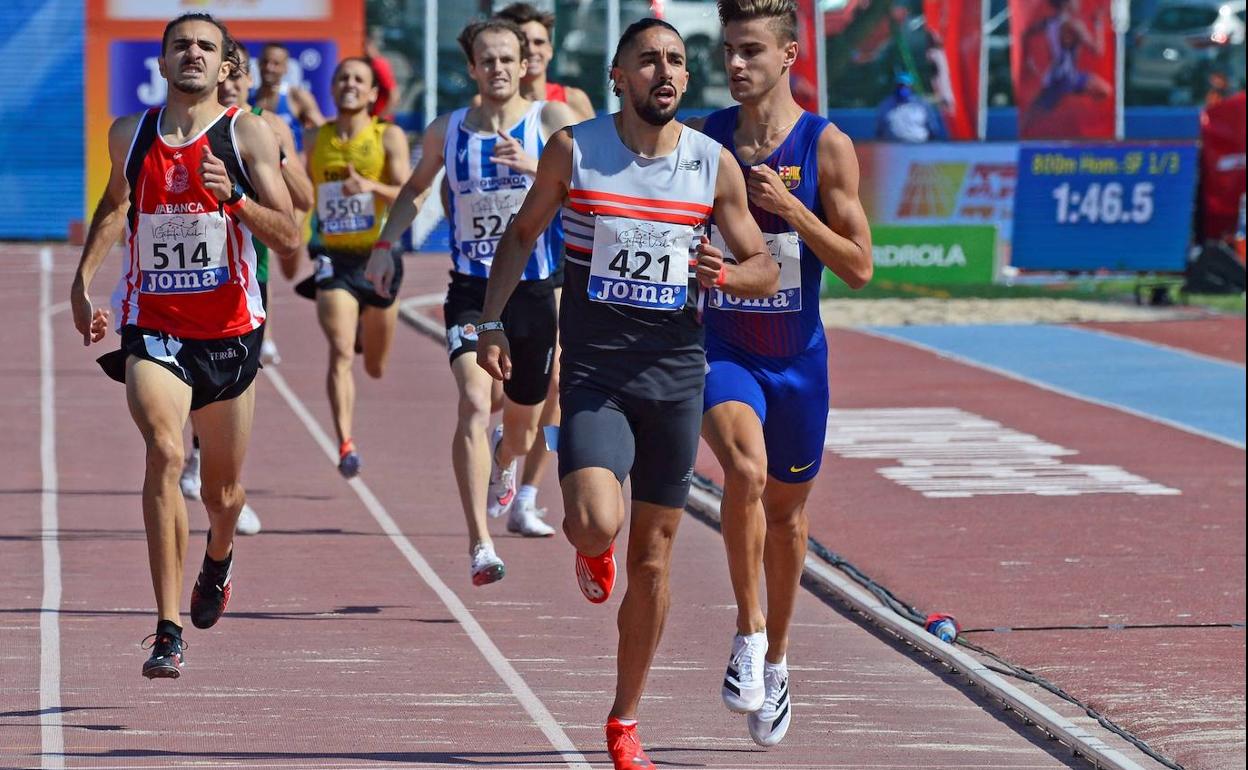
<point x="758" y="147"/>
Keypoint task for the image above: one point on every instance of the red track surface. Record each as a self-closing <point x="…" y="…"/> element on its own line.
<point x="1220" y="336"/>
<point x="1018" y="561"/>
<point x="335" y="653"/>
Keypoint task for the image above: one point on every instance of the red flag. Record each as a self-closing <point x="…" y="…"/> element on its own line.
<point x="957" y="31"/>
<point x="1222" y="166"/>
<point x="804" y="77"/>
<point x="1062" y="60"/>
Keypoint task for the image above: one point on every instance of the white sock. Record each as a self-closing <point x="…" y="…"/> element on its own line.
<point x="526" y="496"/>
<point x="783" y="665"/>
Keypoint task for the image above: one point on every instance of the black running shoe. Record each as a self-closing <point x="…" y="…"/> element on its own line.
<point x="211" y="592"/>
<point x="167" y="659"/>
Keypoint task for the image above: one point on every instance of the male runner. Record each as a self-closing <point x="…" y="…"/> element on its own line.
<point x="637" y="190"/>
<point x="490" y="157"/>
<point x="232" y="92"/>
<point x="358" y="163"/>
<point x="291" y="103"/>
<point x="190" y="184"/>
<point x="766" y="395"/>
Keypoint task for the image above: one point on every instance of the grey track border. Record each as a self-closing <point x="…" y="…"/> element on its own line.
<point x="1081" y="741"/>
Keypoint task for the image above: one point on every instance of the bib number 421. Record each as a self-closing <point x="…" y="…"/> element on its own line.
<point x="639" y="266"/>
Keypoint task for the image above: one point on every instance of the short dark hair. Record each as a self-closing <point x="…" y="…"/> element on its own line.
<point x="225" y="33"/>
<point x="274" y="44"/>
<point x="362" y="60"/>
<point x="635" y="29"/>
<point x="780" y="14"/>
<point x="237" y="55"/>
<point x="468" y="37"/>
<point x="523" y="13"/>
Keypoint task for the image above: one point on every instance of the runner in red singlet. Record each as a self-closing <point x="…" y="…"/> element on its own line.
<point x="190" y="184"/>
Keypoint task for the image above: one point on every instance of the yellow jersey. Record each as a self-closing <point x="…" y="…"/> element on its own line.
<point x="348" y="223"/>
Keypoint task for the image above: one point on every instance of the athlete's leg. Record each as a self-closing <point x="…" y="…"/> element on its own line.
<point x="593" y="509"/>
<point x="783" y="558"/>
<point x="159" y="404"/>
<point x="377" y="332"/>
<point x="538" y="458"/>
<point x="224" y="428"/>
<point x="734" y="433"/>
<point x="643" y="611"/>
<point x="470" y="446"/>
<point x="519" y="430"/>
<point x="338" y="312"/>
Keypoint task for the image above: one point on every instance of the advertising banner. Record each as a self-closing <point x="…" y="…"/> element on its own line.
<point x="957" y="30"/>
<point x="123" y="45"/>
<point x="935" y="255"/>
<point x="1115" y="207"/>
<point x="804" y="77"/>
<point x="1222" y="167"/>
<point x="1062" y="61"/>
<point x="941" y="184"/>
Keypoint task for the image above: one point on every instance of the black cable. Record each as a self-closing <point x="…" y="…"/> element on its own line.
<point x="919" y="618"/>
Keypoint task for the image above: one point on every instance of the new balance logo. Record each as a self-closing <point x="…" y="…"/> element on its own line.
<point x="689" y="165"/>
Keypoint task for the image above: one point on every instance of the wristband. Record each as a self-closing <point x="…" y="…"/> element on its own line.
<point x="722" y="278"/>
<point x="387" y="245"/>
<point x="490" y="326"/>
<point x="234" y="206"/>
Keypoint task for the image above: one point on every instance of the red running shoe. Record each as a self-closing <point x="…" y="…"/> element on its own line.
<point x="625" y="747"/>
<point x="596" y="575"/>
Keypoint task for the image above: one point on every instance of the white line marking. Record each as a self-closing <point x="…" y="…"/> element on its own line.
<point x="1168" y="348"/>
<point x="51" y="735"/>
<point x="528" y="699"/>
<point x="423" y="301"/>
<point x="1051" y="388"/>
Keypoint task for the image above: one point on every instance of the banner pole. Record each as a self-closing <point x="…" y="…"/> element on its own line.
<point x="613" y="37"/>
<point x="981" y="115"/>
<point x="821" y="61"/>
<point x="431" y="61"/>
<point x="1120" y="16"/>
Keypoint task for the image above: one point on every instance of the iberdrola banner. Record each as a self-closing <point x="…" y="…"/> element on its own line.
<point x="1062" y="60"/>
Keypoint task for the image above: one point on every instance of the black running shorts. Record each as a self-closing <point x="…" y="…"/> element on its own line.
<point x="338" y="271"/>
<point x="215" y="370"/>
<point x="529" y="321"/>
<point x="652" y="442"/>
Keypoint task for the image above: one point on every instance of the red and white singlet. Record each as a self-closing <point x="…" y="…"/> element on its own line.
<point x="190" y="270"/>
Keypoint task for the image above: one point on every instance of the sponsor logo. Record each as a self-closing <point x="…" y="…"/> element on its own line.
<point x="177" y="179"/>
<point x="689" y="165"/>
<point x="636" y="293"/>
<point x="194" y="207"/>
<point x="222" y="355"/>
<point x="795" y="469"/>
<point x="931" y="189"/>
<point x="919" y="255"/>
<point x="469" y="331"/>
<point x="791" y="176"/>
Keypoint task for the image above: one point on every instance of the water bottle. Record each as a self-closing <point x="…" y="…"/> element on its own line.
<point x="944" y="627"/>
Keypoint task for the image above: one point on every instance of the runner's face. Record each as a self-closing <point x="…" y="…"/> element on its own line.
<point x="754" y="58"/>
<point x="234" y="89"/>
<point x="193" y="62"/>
<point x="353" y="87"/>
<point x="273" y="66"/>
<point x="540" y="48"/>
<point x="496" y="66"/>
<point x="652" y="75"/>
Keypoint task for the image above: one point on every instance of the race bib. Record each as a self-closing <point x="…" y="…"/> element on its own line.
<point x="640" y="264"/>
<point x="181" y="253"/>
<point x="481" y="218"/>
<point x="340" y="213"/>
<point x="786" y="249"/>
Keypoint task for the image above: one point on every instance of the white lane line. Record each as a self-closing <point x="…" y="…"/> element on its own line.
<point x="423" y="300"/>
<point x="51" y="734"/>
<point x="1051" y="388"/>
<point x="540" y="715"/>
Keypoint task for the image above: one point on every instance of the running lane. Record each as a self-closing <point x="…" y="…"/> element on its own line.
<point x="336" y="653"/>
<point x="970" y="495"/>
<point x="1219" y="336"/>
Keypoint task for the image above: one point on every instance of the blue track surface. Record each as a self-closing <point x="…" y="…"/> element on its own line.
<point x="1200" y="394"/>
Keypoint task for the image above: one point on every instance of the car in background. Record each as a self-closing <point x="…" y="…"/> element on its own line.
<point x="1183" y="43"/>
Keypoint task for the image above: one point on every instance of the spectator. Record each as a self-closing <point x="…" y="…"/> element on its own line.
<point x="907" y="117"/>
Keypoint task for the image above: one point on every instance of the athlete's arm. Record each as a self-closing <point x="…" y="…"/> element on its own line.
<point x="309" y="111"/>
<point x="755" y="274"/>
<point x="380" y="267"/>
<point x="843" y="243"/>
<point x="579" y="101"/>
<point x="545" y="197"/>
<point x="272" y="221"/>
<point x="302" y="196"/>
<point x="107" y="225"/>
<point x="395" y="171"/>
<point x="555" y="117"/>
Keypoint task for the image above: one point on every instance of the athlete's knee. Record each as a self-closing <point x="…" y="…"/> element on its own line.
<point x="787" y="523"/>
<point x="648" y="570"/>
<point x="165" y="453"/>
<point x="222" y="498"/>
<point x="747" y="473"/>
<point x="474" y="409"/>
<point x="375" y="367"/>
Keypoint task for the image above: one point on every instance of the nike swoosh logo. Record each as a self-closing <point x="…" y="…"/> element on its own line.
<point x="795" y="469"/>
<point x="462" y="154"/>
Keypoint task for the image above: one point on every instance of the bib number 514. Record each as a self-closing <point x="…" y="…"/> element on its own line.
<point x="161" y="253"/>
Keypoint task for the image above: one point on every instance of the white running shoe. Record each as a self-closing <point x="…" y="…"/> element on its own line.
<point x="770" y="723"/>
<point x="190" y="476"/>
<point x="486" y="566"/>
<point x="502" y="480"/>
<point x="525" y="520"/>
<point x="743" y="681"/>
<point x="248" y="522"/>
<point x="268" y="353"/>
